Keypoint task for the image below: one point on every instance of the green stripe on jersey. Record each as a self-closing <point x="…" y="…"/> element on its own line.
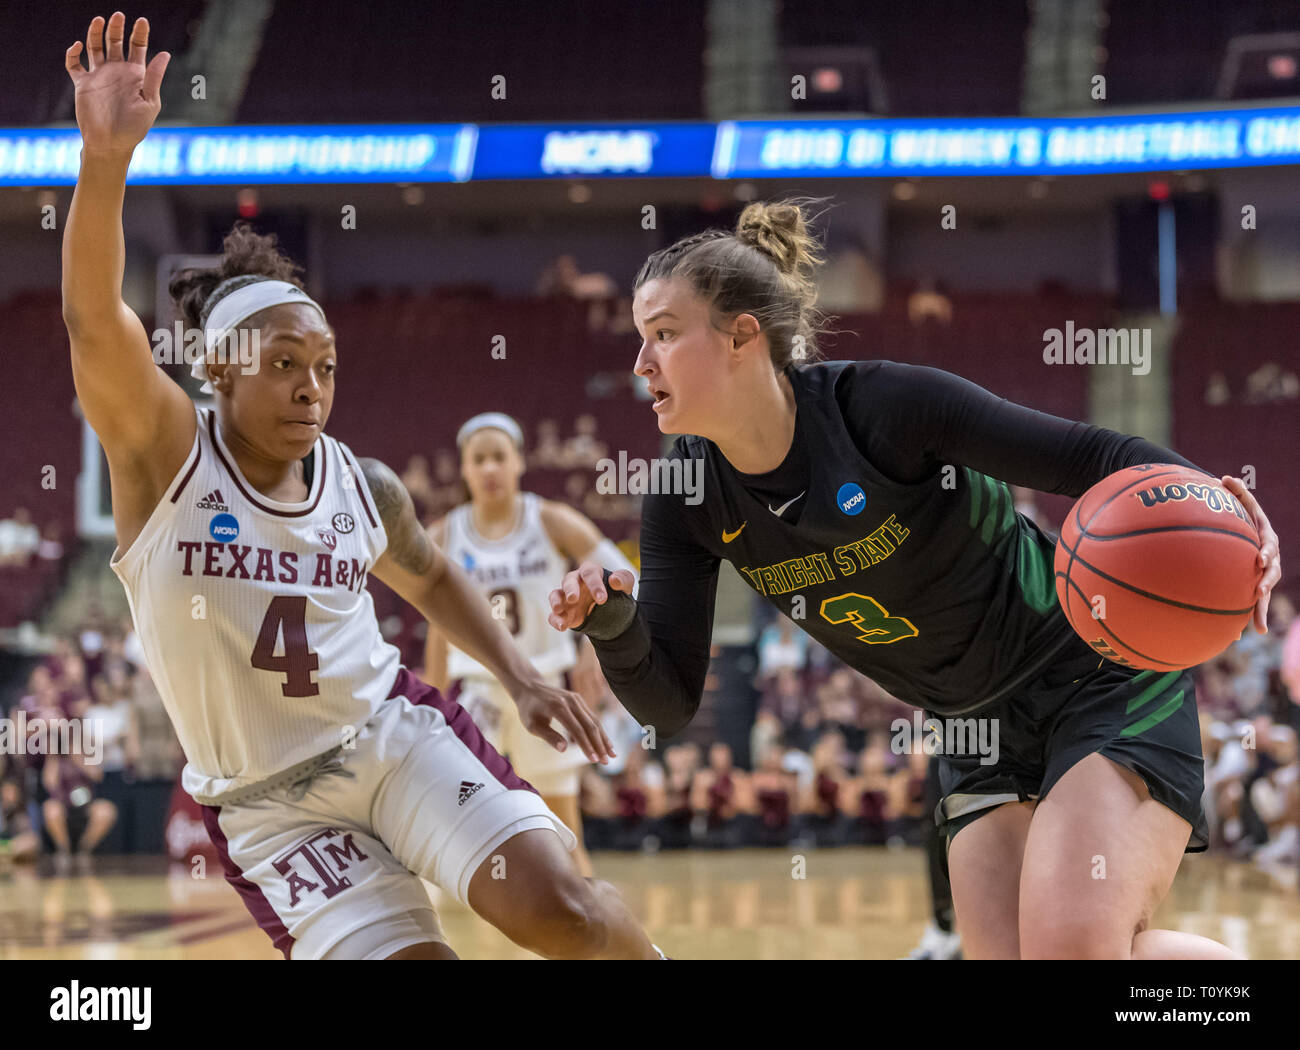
<point x="1034" y="573"/>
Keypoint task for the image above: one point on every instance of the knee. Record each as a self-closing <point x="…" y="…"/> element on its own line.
<point x="52" y="809"/>
<point x="567" y="923"/>
<point x="103" y="809"/>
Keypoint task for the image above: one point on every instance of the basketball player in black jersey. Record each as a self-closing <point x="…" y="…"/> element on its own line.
<point x="869" y="501"/>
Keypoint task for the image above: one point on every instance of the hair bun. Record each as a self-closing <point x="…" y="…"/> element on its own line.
<point x="779" y="231"/>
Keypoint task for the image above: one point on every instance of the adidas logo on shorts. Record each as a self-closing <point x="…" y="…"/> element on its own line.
<point x="212" y="501"/>
<point x="467" y="789"/>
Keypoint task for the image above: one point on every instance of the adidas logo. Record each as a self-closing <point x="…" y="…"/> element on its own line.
<point x="212" y="501"/>
<point x="467" y="789"/>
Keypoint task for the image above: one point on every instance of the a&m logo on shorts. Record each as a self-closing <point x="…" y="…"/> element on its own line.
<point x="318" y="863"/>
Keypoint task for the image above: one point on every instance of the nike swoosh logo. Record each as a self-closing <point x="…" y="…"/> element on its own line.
<point x="727" y="537"/>
<point x="782" y="509"/>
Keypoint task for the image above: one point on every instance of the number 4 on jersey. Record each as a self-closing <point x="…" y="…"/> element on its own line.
<point x="298" y="662"/>
<point x="869" y="616"/>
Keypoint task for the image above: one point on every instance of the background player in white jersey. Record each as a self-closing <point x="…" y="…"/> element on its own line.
<point x="512" y="544"/>
<point x="332" y="778"/>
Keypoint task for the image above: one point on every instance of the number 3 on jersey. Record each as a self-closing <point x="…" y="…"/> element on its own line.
<point x="877" y="627"/>
<point x="298" y="662"/>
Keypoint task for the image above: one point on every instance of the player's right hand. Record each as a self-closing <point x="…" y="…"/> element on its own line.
<point x="118" y="98"/>
<point x="582" y="589"/>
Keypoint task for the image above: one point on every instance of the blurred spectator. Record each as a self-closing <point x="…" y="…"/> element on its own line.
<point x="420" y="485"/>
<point x="562" y="277"/>
<point x="850" y="282"/>
<point x="109" y="719"/>
<point x="773" y="790"/>
<point x="820" y="802"/>
<point x="19" y="841"/>
<point x="584" y="449"/>
<point x="19" y="538"/>
<point x="51" y="545"/>
<point x="549" y="450"/>
<point x="1270" y="383"/>
<point x="73" y="814"/>
<point x="781" y="647"/>
<point x="675" y="812"/>
<point x="929" y="302"/>
<point x="634" y="793"/>
<point x="865" y="798"/>
<point x="720" y="794"/>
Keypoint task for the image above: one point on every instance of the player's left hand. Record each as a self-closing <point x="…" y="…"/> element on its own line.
<point x="538" y="702"/>
<point x="1270" y="557"/>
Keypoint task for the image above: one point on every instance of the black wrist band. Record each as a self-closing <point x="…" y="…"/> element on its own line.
<point x="610" y="619"/>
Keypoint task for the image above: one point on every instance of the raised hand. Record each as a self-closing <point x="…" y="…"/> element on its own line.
<point x="118" y="99"/>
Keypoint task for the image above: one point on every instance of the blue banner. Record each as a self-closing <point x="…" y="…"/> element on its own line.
<point x="1063" y="146"/>
<point x="253" y="155"/>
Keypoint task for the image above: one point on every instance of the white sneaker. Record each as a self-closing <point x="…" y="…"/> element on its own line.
<point x="1285" y="847"/>
<point x="935" y="944"/>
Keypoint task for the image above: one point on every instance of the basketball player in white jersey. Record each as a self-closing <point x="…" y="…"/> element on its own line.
<point x="333" y="779"/>
<point x="513" y="545"/>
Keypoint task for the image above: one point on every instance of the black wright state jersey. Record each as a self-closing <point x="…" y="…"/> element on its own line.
<point x="889" y="534"/>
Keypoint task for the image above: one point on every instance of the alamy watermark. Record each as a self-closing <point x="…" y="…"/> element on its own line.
<point x="636" y="477"/>
<point x="1098" y="346"/>
<point x="946" y="736"/>
<point x="52" y="736"/>
<point x="179" y="345"/>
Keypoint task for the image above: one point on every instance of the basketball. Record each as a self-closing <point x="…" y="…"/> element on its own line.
<point x="1157" y="567"/>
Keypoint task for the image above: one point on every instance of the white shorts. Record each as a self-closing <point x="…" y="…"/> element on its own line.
<point x="332" y="868"/>
<point x="553" y="773"/>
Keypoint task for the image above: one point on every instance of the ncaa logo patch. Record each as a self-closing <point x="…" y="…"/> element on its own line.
<point x="851" y="499"/>
<point x="343" y="522"/>
<point x="224" y="528"/>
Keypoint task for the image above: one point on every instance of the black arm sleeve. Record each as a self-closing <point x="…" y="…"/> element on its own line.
<point x="911" y="419"/>
<point x="657" y="666"/>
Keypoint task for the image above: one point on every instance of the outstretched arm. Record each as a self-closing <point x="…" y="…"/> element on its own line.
<point x="653" y="649"/>
<point x="436" y="649"/>
<point x="420" y="572"/>
<point x="125" y="396"/>
<point x="910" y="418"/>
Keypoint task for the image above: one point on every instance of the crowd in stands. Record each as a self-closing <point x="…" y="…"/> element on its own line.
<point x="825" y="771"/>
<point x="94" y="728"/>
<point x="31" y="565"/>
<point x="824" y="768"/>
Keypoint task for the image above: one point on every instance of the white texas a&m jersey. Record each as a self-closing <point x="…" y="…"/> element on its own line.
<point x="516" y="574"/>
<point x="254" y="614"/>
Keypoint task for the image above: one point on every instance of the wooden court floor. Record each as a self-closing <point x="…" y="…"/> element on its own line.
<point x="851" y="904"/>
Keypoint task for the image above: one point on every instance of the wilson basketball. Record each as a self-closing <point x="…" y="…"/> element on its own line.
<point x="1157" y="567"/>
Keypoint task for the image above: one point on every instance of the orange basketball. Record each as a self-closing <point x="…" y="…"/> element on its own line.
<point x="1157" y="567"/>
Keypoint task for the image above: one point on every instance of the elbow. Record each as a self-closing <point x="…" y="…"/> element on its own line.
<point x="673" y="723"/>
<point x="71" y="319"/>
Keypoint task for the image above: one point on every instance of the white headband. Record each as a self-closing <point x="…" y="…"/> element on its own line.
<point x="237" y="307"/>
<point x="499" y="420"/>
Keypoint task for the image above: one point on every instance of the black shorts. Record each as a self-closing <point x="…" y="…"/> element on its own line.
<point x="1144" y="720"/>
